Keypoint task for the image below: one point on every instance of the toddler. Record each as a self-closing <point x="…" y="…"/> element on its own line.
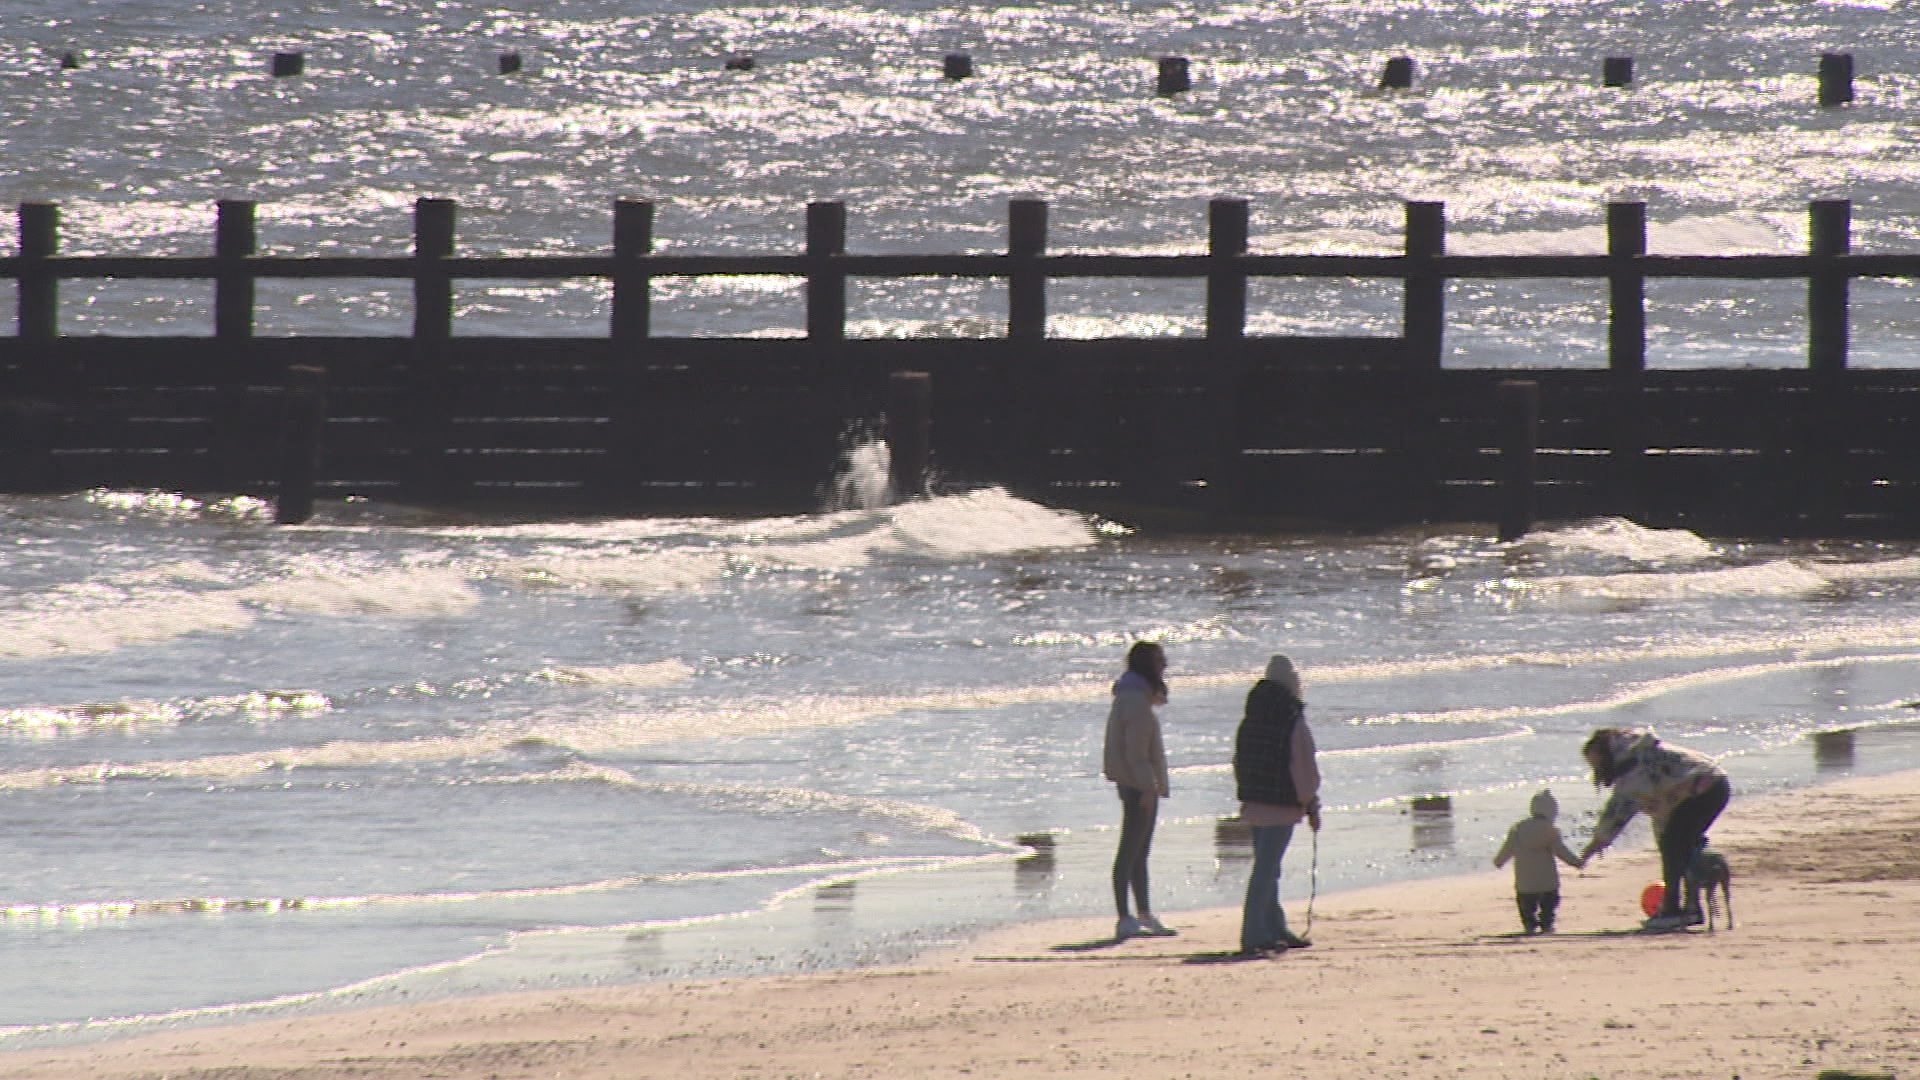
<point x="1533" y="844"/>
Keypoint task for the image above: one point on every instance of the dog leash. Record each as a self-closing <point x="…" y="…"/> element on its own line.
<point x="1313" y="882"/>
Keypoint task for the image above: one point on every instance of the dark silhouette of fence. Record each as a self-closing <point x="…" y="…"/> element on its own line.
<point x="1220" y="430"/>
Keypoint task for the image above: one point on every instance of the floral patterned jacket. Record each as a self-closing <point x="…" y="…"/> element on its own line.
<point x="1653" y="778"/>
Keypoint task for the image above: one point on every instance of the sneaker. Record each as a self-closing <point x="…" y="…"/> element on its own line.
<point x="1127" y="927"/>
<point x="1151" y="926"/>
<point x="1294" y="941"/>
<point x="1666" y="922"/>
<point x="1694" y="916"/>
<point x="1270" y="949"/>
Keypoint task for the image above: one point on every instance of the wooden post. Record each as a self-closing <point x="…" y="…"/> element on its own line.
<point x="428" y="407"/>
<point x="286" y="64"/>
<point x="509" y="63"/>
<point x="1616" y="71"/>
<point x="909" y="432"/>
<point x="826" y="283"/>
<point x="1423" y="321"/>
<point x="1424" y="310"/>
<point x="1519" y="403"/>
<point x="1028" y="369"/>
<point x="632" y="326"/>
<point x="1826" y="441"/>
<point x="433" y="223"/>
<point x="1227" y="234"/>
<point x="302" y="438"/>
<point x="1627" y="354"/>
<point x="236" y="449"/>
<point x="1398" y="74"/>
<point x="632" y="319"/>
<point x="1175" y="76"/>
<point x="1830" y="227"/>
<point x="957" y="66"/>
<point x="1836" y="79"/>
<point x="37" y="300"/>
<point x="234" y="239"/>
<point x="1227" y="229"/>
<point x="1026" y="284"/>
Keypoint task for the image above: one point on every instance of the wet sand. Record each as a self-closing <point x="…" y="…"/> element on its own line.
<point x="1424" y="979"/>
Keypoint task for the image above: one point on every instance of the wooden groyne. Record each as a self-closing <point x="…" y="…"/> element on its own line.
<point x="1224" y="429"/>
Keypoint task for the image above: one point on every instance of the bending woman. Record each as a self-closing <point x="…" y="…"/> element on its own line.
<point x="1136" y="762"/>
<point x="1682" y="790"/>
<point x="1278" y="782"/>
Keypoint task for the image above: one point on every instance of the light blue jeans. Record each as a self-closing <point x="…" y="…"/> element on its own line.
<point x="1262" y="923"/>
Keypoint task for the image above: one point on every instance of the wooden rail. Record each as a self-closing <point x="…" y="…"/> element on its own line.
<point x="1360" y="431"/>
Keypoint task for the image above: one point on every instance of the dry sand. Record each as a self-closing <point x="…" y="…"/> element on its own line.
<point x="1821" y="972"/>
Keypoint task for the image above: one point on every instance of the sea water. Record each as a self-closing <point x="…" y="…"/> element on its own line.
<point x="390" y="755"/>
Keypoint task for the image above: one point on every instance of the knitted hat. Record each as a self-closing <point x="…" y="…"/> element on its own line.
<point x="1280" y="670"/>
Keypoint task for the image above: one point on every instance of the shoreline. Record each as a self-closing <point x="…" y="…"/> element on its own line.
<point x="1415" y="978"/>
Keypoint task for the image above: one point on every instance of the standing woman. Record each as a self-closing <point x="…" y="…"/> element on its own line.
<point x="1682" y="790"/>
<point x="1137" y="764"/>
<point x="1278" y="782"/>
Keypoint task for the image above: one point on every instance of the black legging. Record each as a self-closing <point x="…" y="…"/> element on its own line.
<point x="1686" y="830"/>
<point x="1137" y="815"/>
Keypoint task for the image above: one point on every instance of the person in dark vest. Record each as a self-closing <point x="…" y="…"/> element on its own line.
<point x="1278" y="783"/>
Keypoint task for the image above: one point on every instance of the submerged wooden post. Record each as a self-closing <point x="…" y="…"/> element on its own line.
<point x="509" y="63"/>
<point x="826" y="282"/>
<point x="1398" y="74"/>
<point x="1616" y="71"/>
<point x="957" y="66"/>
<point x="286" y="64"/>
<point x="1026" y="283"/>
<point x="1432" y="822"/>
<point x="1627" y="354"/>
<point x="1836" y="79"/>
<point x="1519" y="404"/>
<point x="909" y="432"/>
<point x="304" y="419"/>
<point x="1174" y="77"/>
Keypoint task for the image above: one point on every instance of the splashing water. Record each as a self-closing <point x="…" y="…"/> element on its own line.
<point x="862" y="481"/>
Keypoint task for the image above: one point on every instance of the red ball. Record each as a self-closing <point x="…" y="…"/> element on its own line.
<point x="1650" y="898"/>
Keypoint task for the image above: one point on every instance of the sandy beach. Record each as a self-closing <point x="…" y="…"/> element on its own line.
<point x="1821" y="972"/>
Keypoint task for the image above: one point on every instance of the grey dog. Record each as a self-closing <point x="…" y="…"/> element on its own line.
<point x="1707" y="872"/>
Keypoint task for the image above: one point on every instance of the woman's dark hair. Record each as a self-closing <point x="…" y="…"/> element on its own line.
<point x="1606" y="770"/>
<point x="1139" y="662"/>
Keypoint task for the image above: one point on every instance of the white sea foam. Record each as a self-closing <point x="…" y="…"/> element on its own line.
<point x="976" y="524"/>
<point x="413" y="593"/>
<point x="639" y="676"/>
<point x="1621" y="538"/>
<point x="1784" y="578"/>
<point x="105" y="623"/>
